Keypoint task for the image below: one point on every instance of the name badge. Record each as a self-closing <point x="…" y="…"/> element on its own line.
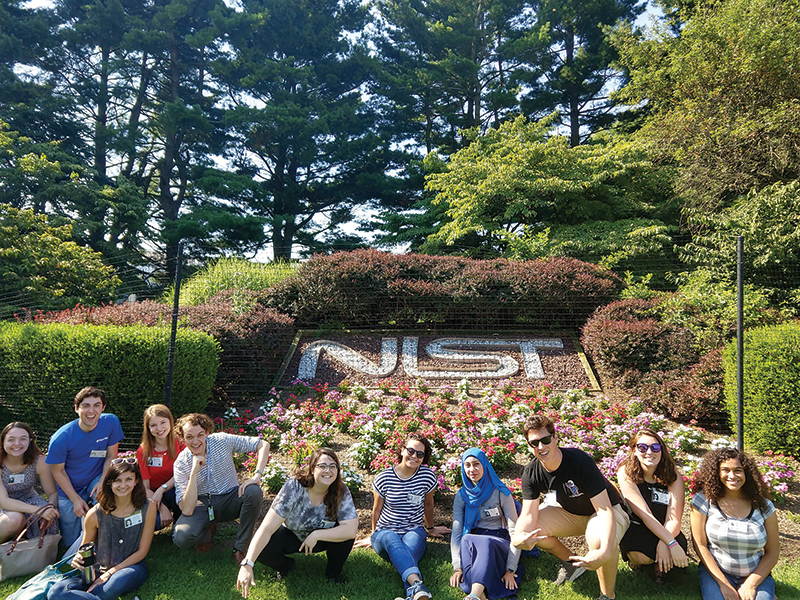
<point x="492" y="512"/>
<point x="660" y="497"/>
<point x="134" y="519"/>
<point x="98" y="453"/>
<point x="549" y="498"/>
<point x="414" y="499"/>
<point x="737" y="526"/>
<point x="155" y="461"/>
<point x="19" y="478"/>
<point x="210" y="513"/>
<point x="327" y="524"/>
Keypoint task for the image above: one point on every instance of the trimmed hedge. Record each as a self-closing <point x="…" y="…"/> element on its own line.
<point x="771" y="387"/>
<point x="44" y="366"/>
<point x="368" y="288"/>
<point x="254" y="339"/>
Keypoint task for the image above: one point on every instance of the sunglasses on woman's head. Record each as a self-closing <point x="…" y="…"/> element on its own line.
<point x="130" y="460"/>
<point x="656" y="448"/>
<point x="414" y="452"/>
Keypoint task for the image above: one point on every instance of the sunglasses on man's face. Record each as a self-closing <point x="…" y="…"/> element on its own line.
<point x="130" y="460"/>
<point x="656" y="448"/>
<point x="545" y="440"/>
<point x="414" y="452"/>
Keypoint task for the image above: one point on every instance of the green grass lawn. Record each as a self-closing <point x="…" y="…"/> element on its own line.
<point x="176" y="575"/>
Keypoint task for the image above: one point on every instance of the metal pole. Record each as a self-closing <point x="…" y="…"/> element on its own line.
<point x="173" y="333"/>
<point x="739" y="343"/>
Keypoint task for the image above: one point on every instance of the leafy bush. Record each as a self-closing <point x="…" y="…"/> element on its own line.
<point x="625" y="342"/>
<point x="228" y="274"/>
<point x="693" y="394"/>
<point x="41" y="265"/>
<point x="254" y="339"/>
<point x="371" y="288"/>
<point x="771" y="387"/>
<point x="43" y="367"/>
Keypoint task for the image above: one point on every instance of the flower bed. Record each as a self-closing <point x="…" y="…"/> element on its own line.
<point x="369" y="427"/>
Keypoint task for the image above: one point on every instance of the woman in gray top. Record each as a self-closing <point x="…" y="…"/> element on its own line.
<point x="121" y="527"/>
<point x="314" y="511"/>
<point x="485" y="564"/>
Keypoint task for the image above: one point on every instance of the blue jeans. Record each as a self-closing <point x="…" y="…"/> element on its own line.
<point x="402" y="550"/>
<point x="709" y="588"/>
<point x="71" y="524"/>
<point x="123" y="581"/>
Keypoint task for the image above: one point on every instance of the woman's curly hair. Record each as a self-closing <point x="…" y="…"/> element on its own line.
<point x="709" y="482"/>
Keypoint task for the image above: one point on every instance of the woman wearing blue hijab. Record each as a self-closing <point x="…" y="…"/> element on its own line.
<point x="485" y="564"/>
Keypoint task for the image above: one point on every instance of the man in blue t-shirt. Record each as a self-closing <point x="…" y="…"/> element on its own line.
<point x="564" y="494"/>
<point x="79" y="455"/>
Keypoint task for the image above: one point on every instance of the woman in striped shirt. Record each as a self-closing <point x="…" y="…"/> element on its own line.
<point x="402" y="513"/>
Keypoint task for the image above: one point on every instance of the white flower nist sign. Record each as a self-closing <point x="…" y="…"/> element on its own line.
<point x="446" y="349"/>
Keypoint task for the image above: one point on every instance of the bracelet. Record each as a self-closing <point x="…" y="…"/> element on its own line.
<point x="672" y="543"/>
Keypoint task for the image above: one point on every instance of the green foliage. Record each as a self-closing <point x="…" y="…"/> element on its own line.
<point x="769" y="221"/>
<point x="771" y="387"/>
<point x="723" y="97"/>
<point x="231" y="273"/>
<point x="254" y="339"/>
<point x="41" y="266"/>
<point x="708" y="309"/>
<point x="515" y="181"/>
<point x="569" y="59"/>
<point x="43" y="366"/>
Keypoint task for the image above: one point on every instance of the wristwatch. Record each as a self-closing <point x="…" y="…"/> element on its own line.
<point x="164" y="486"/>
<point x="258" y="472"/>
<point x="246" y="563"/>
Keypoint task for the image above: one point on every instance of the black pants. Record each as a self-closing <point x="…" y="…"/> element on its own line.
<point x="284" y="542"/>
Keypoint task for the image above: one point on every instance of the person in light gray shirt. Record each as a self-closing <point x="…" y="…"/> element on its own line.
<point x="313" y="512"/>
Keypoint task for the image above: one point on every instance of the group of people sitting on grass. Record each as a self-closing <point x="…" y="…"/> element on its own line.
<point x="184" y="474"/>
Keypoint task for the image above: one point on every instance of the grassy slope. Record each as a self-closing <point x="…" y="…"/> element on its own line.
<point x="182" y="576"/>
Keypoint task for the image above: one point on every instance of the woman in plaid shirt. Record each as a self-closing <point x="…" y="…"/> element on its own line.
<point x="734" y="529"/>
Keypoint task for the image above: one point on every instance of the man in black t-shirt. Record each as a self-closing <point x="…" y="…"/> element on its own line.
<point x="564" y="494"/>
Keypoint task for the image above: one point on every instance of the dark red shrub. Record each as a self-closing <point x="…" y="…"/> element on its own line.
<point x="367" y="288"/>
<point x="623" y="349"/>
<point x="693" y="394"/>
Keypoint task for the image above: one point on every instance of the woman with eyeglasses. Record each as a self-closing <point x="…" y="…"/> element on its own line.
<point x="734" y="528"/>
<point x="485" y="564"/>
<point x="22" y="463"/>
<point x="313" y="512"/>
<point x="654" y="490"/>
<point x="156" y="455"/>
<point x="402" y="513"/>
<point x="121" y="527"/>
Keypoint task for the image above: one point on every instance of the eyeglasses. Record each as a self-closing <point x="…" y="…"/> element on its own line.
<point x="656" y="448"/>
<point x="545" y="440"/>
<point x="324" y="467"/>
<point x="414" y="452"/>
<point x="130" y="460"/>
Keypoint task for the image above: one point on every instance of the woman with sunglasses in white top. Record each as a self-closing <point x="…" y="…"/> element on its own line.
<point x="313" y="512"/>
<point x="402" y="513"/>
<point x="654" y="490"/>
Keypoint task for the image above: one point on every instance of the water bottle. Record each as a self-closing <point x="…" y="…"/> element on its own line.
<point x="89" y="570"/>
